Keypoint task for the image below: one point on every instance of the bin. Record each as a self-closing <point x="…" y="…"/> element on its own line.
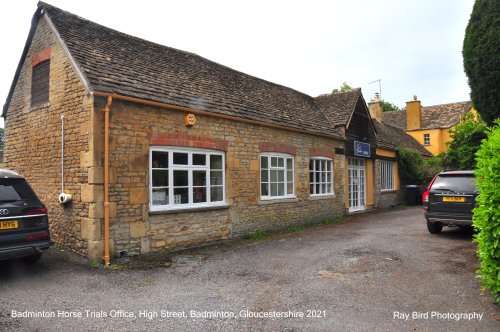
<point x="412" y="194"/>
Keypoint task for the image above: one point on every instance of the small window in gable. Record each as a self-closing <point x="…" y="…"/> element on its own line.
<point x="40" y="83"/>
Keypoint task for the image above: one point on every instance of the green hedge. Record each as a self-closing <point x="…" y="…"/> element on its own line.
<point x="486" y="218"/>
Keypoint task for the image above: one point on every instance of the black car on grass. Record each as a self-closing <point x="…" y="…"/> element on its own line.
<point x="24" y="228"/>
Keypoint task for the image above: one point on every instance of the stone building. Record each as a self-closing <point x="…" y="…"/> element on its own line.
<point x="137" y="147"/>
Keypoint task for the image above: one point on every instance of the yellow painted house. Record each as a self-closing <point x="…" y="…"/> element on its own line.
<point x="430" y="125"/>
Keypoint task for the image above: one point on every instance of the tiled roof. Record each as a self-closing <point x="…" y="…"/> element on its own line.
<point x="392" y="137"/>
<point x="117" y="63"/>
<point x="433" y="117"/>
<point x="340" y="105"/>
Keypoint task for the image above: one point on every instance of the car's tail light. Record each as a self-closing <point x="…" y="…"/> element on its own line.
<point x="425" y="197"/>
<point x="37" y="237"/>
<point x="36" y="212"/>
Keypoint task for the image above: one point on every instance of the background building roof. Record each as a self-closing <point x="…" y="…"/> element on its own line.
<point x="433" y="117"/>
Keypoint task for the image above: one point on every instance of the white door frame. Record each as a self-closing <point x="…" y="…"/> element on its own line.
<point x="356" y="172"/>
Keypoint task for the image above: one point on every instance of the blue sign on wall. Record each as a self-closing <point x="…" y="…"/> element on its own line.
<point x="361" y="149"/>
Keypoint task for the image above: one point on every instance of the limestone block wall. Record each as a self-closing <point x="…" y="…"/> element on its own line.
<point x="33" y="138"/>
<point x="135" y="127"/>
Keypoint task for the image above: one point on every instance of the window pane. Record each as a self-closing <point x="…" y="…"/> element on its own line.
<point x="281" y="189"/>
<point x="274" y="161"/>
<point x="318" y="175"/>
<point x="289" y="176"/>
<point x="160" y="196"/>
<point x="274" y="189"/>
<point x="329" y="188"/>
<point x="180" y="158"/>
<point x="181" y="196"/>
<point x="281" y="176"/>
<point x="199" y="194"/>
<point x="289" y="163"/>
<point x="318" y="189"/>
<point x="329" y="166"/>
<point x="311" y="189"/>
<point x="216" y="178"/>
<point x="264" y="176"/>
<point x="311" y="164"/>
<point x="160" y="178"/>
<point x="264" y="162"/>
<point x="199" y="178"/>
<point x="311" y="177"/>
<point x="289" y="189"/>
<point x="159" y="159"/>
<point x="329" y="177"/>
<point x="216" y="194"/>
<point x="180" y="178"/>
<point x="274" y="175"/>
<point x="281" y="162"/>
<point x="215" y="162"/>
<point x="264" y="189"/>
<point x="199" y="159"/>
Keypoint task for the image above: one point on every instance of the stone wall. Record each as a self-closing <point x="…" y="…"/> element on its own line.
<point x="33" y="138"/>
<point x="134" y="128"/>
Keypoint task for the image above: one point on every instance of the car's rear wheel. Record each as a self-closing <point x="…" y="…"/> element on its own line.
<point x="32" y="259"/>
<point x="434" y="228"/>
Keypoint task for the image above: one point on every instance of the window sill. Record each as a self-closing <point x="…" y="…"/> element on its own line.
<point x="319" y="197"/>
<point x="388" y="191"/>
<point x="190" y="209"/>
<point x="37" y="107"/>
<point x="269" y="201"/>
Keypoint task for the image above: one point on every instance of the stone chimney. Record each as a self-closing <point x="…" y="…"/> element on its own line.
<point x="376" y="108"/>
<point x="413" y="114"/>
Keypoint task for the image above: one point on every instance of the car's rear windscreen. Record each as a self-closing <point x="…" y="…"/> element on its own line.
<point x="15" y="190"/>
<point x="457" y="183"/>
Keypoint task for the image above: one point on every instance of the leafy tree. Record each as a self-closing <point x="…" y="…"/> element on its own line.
<point x="410" y="167"/>
<point x="343" y="88"/>
<point x="389" y="107"/>
<point x="465" y="141"/>
<point x="486" y="219"/>
<point x="482" y="58"/>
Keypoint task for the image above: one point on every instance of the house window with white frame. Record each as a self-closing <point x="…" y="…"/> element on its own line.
<point x="387" y="175"/>
<point x="427" y="139"/>
<point x="320" y="176"/>
<point x="276" y="176"/>
<point x="183" y="178"/>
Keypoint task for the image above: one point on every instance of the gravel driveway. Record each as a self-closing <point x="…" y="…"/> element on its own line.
<point x="380" y="271"/>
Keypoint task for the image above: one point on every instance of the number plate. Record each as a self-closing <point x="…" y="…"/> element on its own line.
<point x="11" y="224"/>
<point x="454" y="199"/>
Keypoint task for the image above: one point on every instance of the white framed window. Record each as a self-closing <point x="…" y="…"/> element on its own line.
<point x="427" y="139"/>
<point x="320" y="176"/>
<point x="387" y="175"/>
<point x="185" y="178"/>
<point x="276" y="176"/>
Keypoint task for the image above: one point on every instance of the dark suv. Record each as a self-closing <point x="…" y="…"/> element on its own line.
<point x="449" y="200"/>
<point x="24" y="229"/>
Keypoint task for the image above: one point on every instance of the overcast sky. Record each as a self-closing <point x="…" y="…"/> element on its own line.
<point x="413" y="46"/>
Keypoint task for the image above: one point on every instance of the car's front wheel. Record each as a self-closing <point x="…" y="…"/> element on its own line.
<point x="434" y="228"/>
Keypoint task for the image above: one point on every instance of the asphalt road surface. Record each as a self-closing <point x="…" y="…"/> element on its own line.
<point x="376" y="272"/>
